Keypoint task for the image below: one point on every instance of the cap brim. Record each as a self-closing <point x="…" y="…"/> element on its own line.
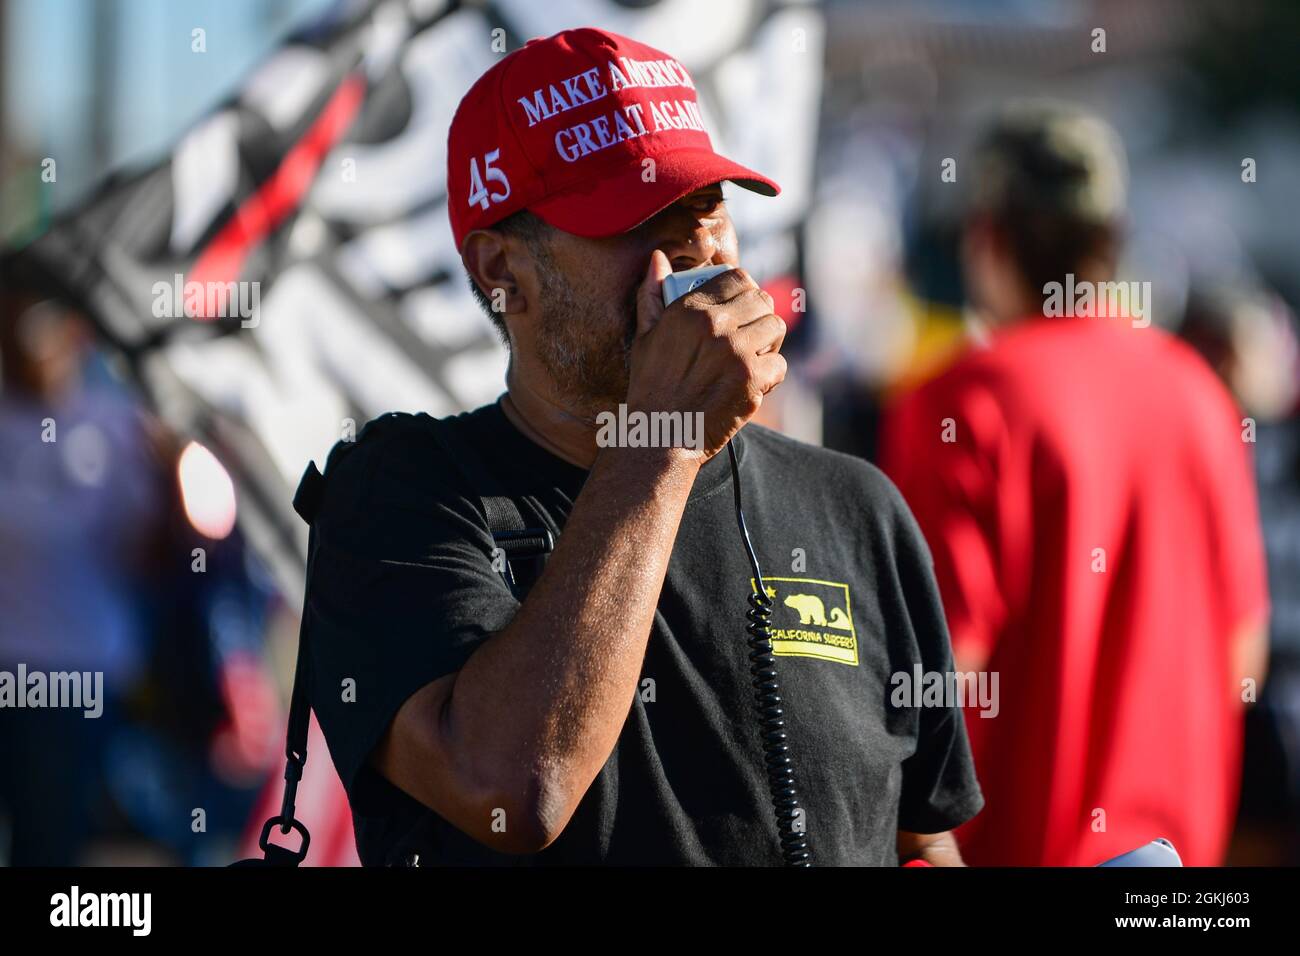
<point x="622" y="199"/>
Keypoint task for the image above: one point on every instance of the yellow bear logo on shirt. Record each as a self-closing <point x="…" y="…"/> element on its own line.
<point x="813" y="611"/>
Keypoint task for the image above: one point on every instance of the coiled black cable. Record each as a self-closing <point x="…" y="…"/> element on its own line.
<point x="767" y="695"/>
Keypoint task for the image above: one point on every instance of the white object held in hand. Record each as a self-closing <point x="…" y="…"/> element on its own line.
<point x="677" y="284"/>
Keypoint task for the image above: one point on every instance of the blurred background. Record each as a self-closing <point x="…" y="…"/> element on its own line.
<point x="300" y="145"/>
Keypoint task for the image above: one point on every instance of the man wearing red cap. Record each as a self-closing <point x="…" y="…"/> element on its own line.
<point x="607" y="715"/>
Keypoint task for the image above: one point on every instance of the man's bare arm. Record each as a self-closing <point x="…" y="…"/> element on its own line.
<point x="533" y="715"/>
<point x="1249" y="655"/>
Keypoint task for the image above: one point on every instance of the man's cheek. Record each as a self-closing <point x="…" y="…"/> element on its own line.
<point x="726" y="244"/>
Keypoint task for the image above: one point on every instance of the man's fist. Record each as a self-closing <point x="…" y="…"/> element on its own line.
<point x="715" y="351"/>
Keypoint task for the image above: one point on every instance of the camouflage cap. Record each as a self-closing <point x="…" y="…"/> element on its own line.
<point x="1051" y="157"/>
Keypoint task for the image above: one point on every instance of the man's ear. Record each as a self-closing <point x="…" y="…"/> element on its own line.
<point x="487" y="258"/>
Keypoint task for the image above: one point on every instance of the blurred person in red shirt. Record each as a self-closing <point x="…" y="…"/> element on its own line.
<point x="1084" y="483"/>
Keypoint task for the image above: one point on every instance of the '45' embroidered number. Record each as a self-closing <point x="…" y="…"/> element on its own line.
<point x="478" y="192"/>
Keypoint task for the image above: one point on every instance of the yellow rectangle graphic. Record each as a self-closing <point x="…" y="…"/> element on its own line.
<point x="812" y="618"/>
<point x="845" y="655"/>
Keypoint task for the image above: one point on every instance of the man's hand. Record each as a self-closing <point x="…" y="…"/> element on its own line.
<point x="937" y="849"/>
<point x="716" y="350"/>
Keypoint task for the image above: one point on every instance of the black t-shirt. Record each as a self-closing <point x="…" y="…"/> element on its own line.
<point x="404" y="590"/>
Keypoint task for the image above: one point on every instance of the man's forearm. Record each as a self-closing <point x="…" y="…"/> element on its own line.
<point x="543" y="701"/>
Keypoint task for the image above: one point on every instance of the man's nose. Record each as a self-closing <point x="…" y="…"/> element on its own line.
<point x="688" y="243"/>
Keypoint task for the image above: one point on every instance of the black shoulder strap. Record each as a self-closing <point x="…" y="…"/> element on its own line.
<point x="524" y="548"/>
<point x="306" y="501"/>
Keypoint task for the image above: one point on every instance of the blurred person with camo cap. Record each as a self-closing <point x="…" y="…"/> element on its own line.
<point x="1081" y="478"/>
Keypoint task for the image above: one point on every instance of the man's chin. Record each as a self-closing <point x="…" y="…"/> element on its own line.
<point x="593" y="405"/>
<point x="607" y="394"/>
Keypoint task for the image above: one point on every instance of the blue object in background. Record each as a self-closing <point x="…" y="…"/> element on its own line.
<point x="1159" y="852"/>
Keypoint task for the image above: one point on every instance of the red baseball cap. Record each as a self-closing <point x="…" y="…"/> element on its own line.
<point x="590" y="131"/>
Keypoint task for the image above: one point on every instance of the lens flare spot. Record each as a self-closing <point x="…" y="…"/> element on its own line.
<point x="207" y="492"/>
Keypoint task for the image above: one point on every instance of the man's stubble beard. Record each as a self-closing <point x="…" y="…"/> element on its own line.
<point x="584" y="344"/>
